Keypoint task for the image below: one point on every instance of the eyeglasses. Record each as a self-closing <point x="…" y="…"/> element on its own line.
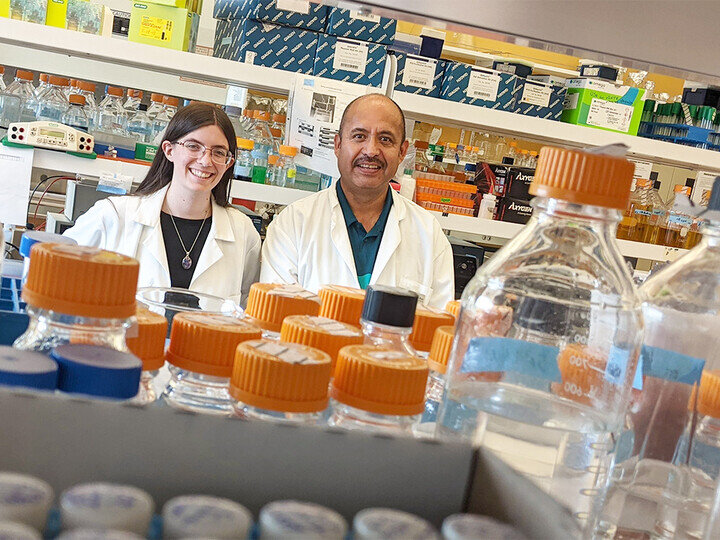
<point x="197" y="150"/>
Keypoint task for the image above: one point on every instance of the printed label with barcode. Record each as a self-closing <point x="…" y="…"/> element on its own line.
<point x="250" y="57"/>
<point x="536" y="94"/>
<point x="367" y="17"/>
<point x="298" y="6"/>
<point x="483" y="85"/>
<point x="350" y="56"/>
<point x="419" y="72"/>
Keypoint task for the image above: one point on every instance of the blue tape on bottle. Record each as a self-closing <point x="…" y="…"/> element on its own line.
<point x="638" y="380"/>
<point x="506" y="354"/>
<point x="670" y="365"/>
<point x="617" y="365"/>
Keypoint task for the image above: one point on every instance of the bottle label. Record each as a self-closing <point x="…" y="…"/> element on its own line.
<point x="670" y="365"/>
<point x="243" y="170"/>
<point x="683" y="221"/>
<point x="291" y="173"/>
<point x="659" y="212"/>
<point x="642" y="213"/>
<point x="507" y="354"/>
<point x="483" y="85"/>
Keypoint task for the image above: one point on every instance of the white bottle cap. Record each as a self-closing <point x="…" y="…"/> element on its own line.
<point x="195" y="516"/>
<point x="472" y="526"/>
<point x="106" y="506"/>
<point x="25" y="499"/>
<point x="98" y="534"/>
<point x="376" y="523"/>
<point x="295" y="520"/>
<point x="13" y="530"/>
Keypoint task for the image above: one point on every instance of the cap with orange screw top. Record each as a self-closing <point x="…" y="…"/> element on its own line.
<point x="440" y="349"/>
<point x="343" y="304"/>
<point x="149" y="343"/>
<point x="709" y="401"/>
<point x="283" y="377"/>
<point x="427" y="320"/>
<point x="320" y="332"/>
<point x="171" y="101"/>
<point x="27" y="75"/>
<point x="103" y="283"/>
<point x="269" y="303"/>
<point x="453" y="308"/>
<point x="205" y="343"/>
<point x="157" y="98"/>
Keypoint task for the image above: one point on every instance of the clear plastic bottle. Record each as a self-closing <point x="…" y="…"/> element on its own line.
<point x="200" y="357"/>
<point x="278" y="127"/>
<point x="140" y="125"/>
<point x="53" y="104"/>
<point x="487" y="206"/>
<point x="387" y="317"/>
<point x="236" y="119"/>
<point x="111" y="115"/>
<point x="264" y="145"/>
<point x="269" y="303"/>
<point x="159" y="124"/>
<point x="71" y="88"/>
<point x="658" y="210"/>
<point x="170" y="105"/>
<point x="273" y="172"/>
<point x="437" y="363"/>
<point x="636" y="221"/>
<point x="134" y="98"/>
<point x="421" y="160"/>
<point x="87" y="90"/>
<point x="68" y="302"/>
<point x="156" y="105"/>
<point x="17" y="100"/>
<point x="280" y="382"/>
<point x="75" y="116"/>
<point x="675" y="227"/>
<point x="286" y="170"/>
<point x="377" y="389"/>
<point x="548" y="337"/>
<point x="243" y="160"/>
<point x="665" y="487"/>
<point x="147" y="342"/>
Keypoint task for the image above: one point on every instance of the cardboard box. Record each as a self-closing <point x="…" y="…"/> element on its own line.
<point x="293" y="13"/>
<point x="492" y="178"/>
<point x="518" y="185"/>
<point x="539" y="99"/>
<point x="513" y="210"/>
<point x="4" y="8"/>
<point x="28" y="10"/>
<point x="604" y="105"/>
<point x="263" y="44"/>
<point x="514" y="68"/>
<point x="163" y="26"/>
<point x="56" y="13"/>
<point x="83" y="16"/>
<point x="193" y="5"/>
<point x="478" y="86"/>
<point x="349" y="60"/>
<point x="145" y="152"/>
<point x="419" y="75"/>
<point x="351" y="24"/>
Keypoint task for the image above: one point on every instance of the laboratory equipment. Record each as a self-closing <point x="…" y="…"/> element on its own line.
<point x="53" y="135"/>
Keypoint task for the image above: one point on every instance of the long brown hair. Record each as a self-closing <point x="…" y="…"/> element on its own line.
<point x="187" y="119"/>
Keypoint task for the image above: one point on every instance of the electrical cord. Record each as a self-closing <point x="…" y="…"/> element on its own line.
<point x="57" y="179"/>
<point x="54" y="179"/>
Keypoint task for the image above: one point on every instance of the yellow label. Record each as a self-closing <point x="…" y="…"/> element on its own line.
<point x="291" y="173"/>
<point x="156" y="28"/>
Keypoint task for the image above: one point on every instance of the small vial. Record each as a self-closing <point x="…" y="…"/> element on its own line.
<point x="386" y="523"/>
<point x="437" y="363"/>
<point x="321" y="333"/>
<point x="281" y="382"/>
<point x="12" y="530"/>
<point x="148" y="344"/>
<point x="269" y="303"/>
<point x="377" y="389"/>
<point x="201" y="516"/>
<point x="78" y="294"/>
<point x="97" y="371"/>
<point x="295" y="520"/>
<point x="98" y="534"/>
<point x="472" y="526"/>
<point x="106" y="506"/>
<point x="427" y="320"/>
<point x="30" y="238"/>
<point x="387" y="317"/>
<point x="453" y="308"/>
<point x="25" y="499"/>
<point x="200" y="357"/>
<point x="342" y="304"/>
<point x="27" y="369"/>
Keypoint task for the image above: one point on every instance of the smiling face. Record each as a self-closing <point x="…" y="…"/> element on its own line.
<point x="197" y="173"/>
<point x="371" y="144"/>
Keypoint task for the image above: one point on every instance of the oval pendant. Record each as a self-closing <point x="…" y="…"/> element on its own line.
<point x="187" y="262"/>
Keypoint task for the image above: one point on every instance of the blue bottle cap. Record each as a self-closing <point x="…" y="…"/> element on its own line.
<point x="97" y="371"/>
<point x="27" y="368"/>
<point x="30" y="238"/>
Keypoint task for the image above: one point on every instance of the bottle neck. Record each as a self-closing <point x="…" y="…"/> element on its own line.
<point x="393" y="337"/>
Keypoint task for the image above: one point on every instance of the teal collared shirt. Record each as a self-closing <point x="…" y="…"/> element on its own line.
<point x="364" y="244"/>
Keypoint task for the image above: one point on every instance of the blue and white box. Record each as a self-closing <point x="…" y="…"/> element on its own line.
<point x="478" y="86"/>
<point x="353" y="24"/>
<point x="264" y="44"/>
<point x="350" y="60"/>
<point x="534" y="98"/>
<point x="293" y="13"/>
<point x="419" y="75"/>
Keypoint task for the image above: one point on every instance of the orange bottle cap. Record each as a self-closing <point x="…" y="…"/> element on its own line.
<point x="273" y="159"/>
<point x="683" y="189"/>
<point x="149" y="343"/>
<point x="77" y="99"/>
<point x="284" y="377"/>
<point x="269" y="303"/>
<point x="87" y="86"/>
<point x="643" y="183"/>
<point x="172" y="101"/>
<point x="343" y="304"/>
<point x="288" y="150"/>
<point x="709" y="401"/>
<point x="115" y="91"/>
<point x="276" y="133"/>
<point x="427" y="320"/>
<point x="379" y="380"/>
<point x="249" y="113"/>
<point x="583" y="178"/>
<point x="103" y="283"/>
<point x="245" y="144"/>
<point x="43" y="76"/>
<point x="320" y="332"/>
<point x="2" y="69"/>
<point x="581" y="371"/>
<point x="58" y="81"/>
<point x="206" y="342"/>
<point x="279" y="118"/>
<point x="26" y="75"/>
<point x="453" y="308"/>
<point x="157" y="98"/>
<point x="440" y="349"/>
<point x="262" y="115"/>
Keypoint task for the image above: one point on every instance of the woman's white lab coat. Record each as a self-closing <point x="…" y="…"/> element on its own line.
<point x="307" y="243"/>
<point x="228" y="264"/>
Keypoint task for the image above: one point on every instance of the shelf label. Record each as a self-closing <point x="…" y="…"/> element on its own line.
<point x="642" y="169"/>
<point x="115" y="183"/>
<point x="703" y="187"/>
<point x="350" y="56"/>
<point x="298" y="6"/>
<point x="610" y="115"/>
<point x="367" y="17"/>
<point x="156" y="28"/>
<point x="250" y="57"/>
<point x="536" y="94"/>
<point x="419" y="72"/>
<point x="483" y="85"/>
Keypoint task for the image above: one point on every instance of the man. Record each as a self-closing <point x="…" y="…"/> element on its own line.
<point x="360" y="231"/>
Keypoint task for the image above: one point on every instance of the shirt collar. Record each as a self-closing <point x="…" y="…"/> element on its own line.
<point x="350" y="218"/>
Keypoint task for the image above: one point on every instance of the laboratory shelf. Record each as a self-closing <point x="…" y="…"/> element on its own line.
<point x="65" y="163"/>
<point x="251" y="191"/>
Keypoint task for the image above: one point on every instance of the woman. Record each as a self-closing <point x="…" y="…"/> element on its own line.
<point x="179" y="224"/>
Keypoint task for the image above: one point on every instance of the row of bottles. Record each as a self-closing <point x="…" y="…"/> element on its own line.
<point x="651" y="220"/>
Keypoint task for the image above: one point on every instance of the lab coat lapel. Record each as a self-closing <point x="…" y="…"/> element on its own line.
<point x="339" y="235"/>
<point x="148" y="214"/>
<point x="220" y="230"/>
<point x="391" y="237"/>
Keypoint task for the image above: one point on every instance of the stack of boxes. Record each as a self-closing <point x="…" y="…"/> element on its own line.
<point x="512" y="187"/>
<point x="78" y="15"/>
<point x="172" y="24"/>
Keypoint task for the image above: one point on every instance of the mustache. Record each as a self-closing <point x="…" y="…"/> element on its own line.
<point x="369" y="161"/>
